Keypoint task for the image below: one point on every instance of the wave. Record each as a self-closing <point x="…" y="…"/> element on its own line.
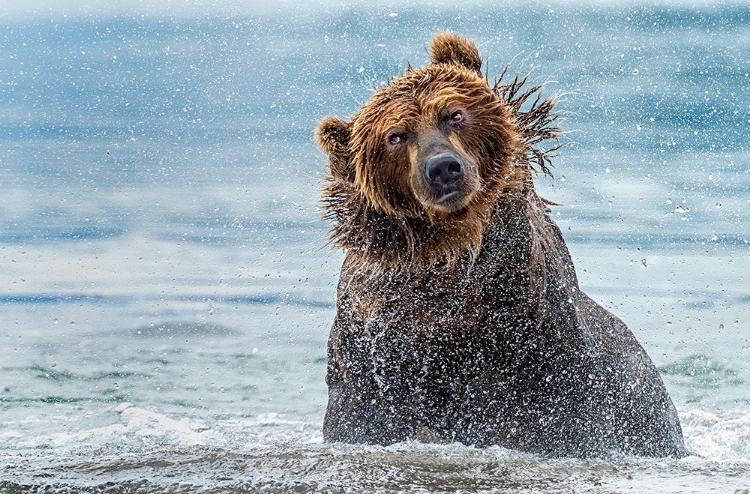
<point x="147" y="450"/>
<point x="716" y="437"/>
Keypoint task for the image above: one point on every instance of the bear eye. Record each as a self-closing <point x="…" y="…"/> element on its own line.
<point x="456" y="117"/>
<point x="395" y="138"/>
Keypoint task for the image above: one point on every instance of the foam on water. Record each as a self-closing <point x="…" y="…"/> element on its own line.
<point x="717" y="438"/>
<point x="148" y="450"/>
<point x="709" y="436"/>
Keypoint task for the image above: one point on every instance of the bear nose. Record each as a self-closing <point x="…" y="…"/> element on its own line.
<point x="444" y="172"/>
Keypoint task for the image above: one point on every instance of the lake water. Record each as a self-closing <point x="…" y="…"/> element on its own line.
<point x="165" y="285"/>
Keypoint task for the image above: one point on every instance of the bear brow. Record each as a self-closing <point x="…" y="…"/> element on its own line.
<point x="447" y="98"/>
<point x="399" y="113"/>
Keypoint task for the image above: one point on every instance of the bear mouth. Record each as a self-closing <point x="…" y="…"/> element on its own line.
<point x="448" y="199"/>
<point x="450" y="202"/>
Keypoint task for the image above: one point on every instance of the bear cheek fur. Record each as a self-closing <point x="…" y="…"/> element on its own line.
<point x="383" y="173"/>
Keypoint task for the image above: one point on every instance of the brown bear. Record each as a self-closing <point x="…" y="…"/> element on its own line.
<point x="459" y="316"/>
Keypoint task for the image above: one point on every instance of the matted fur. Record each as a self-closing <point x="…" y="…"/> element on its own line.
<point x="372" y="208"/>
<point x="467" y="323"/>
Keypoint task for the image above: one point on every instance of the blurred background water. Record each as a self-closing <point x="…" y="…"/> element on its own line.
<point x="165" y="285"/>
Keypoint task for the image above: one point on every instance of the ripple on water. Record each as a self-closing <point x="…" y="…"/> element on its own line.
<point x="295" y="467"/>
<point x="149" y="451"/>
<point x="702" y="371"/>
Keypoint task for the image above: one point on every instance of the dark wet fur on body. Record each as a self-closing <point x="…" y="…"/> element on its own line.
<point x="465" y="322"/>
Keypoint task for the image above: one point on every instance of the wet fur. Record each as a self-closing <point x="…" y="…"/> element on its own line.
<point x="469" y="326"/>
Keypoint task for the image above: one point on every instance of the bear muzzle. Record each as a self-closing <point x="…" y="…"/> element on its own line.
<point x="444" y="173"/>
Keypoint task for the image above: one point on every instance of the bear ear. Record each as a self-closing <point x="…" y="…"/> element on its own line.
<point x="453" y="49"/>
<point x="333" y="136"/>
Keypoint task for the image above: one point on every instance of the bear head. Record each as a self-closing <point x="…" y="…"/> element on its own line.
<point x="425" y="160"/>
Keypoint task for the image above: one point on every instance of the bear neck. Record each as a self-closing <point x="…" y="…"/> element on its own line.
<point x="379" y="244"/>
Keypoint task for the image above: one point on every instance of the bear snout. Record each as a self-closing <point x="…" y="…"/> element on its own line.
<point x="444" y="173"/>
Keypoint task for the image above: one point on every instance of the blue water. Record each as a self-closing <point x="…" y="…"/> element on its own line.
<point x="165" y="285"/>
